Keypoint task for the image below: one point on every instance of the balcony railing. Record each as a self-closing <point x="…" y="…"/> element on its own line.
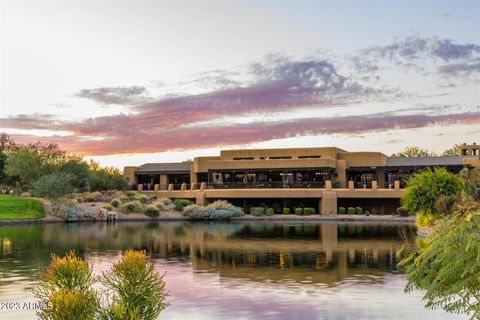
<point x="268" y="185"/>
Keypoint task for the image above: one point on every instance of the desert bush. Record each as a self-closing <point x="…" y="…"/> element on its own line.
<point x="269" y="212"/>
<point x="210" y="213"/>
<point x="351" y="210"/>
<point x="257" y="211"/>
<point x="115" y="203"/>
<point x="75" y="214"/>
<point x="219" y="204"/>
<point x="181" y="203"/>
<point x="152" y="211"/>
<point x="54" y="186"/>
<point x="164" y="204"/>
<point x="342" y="210"/>
<point x="358" y="210"/>
<point x="65" y="289"/>
<point x="308" y="211"/>
<point x="299" y="211"/>
<point x="135" y="288"/>
<point x="286" y="211"/>
<point x="132" y="206"/>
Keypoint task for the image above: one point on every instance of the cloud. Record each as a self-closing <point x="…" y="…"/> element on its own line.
<point x="275" y="84"/>
<point x="125" y="134"/>
<point x="460" y="69"/>
<point x="417" y="53"/>
<point x="114" y="95"/>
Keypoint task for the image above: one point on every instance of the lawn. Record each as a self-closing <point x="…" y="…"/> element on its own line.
<point x="20" y="208"/>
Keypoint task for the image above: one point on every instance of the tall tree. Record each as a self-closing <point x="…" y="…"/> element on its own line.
<point x="450" y="152"/>
<point x="412" y="152"/>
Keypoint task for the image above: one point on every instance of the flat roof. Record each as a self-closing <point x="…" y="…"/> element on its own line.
<point x="173" y="167"/>
<point x="425" y="161"/>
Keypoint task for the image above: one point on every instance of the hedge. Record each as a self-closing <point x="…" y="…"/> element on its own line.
<point x="299" y="211"/>
<point x="270" y="212"/>
<point x="286" y="210"/>
<point x="257" y="211"/>
<point x="358" y="210"/>
<point x="308" y="211"/>
<point x="351" y="210"/>
<point x="342" y="210"/>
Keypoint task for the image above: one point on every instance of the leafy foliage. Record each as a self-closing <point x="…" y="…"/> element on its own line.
<point x="450" y="152"/>
<point x="54" y="185"/>
<point x="448" y="266"/>
<point x="181" y="203"/>
<point x="426" y="187"/>
<point x="412" y="152"/>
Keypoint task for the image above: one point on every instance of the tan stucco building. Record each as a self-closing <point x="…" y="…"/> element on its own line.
<point x="323" y="173"/>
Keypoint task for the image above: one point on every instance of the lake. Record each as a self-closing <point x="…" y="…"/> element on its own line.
<point x="248" y="270"/>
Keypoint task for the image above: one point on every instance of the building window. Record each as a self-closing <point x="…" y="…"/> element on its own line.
<point x="275" y="158"/>
<point x="247" y="158"/>
<point x="309" y="157"/>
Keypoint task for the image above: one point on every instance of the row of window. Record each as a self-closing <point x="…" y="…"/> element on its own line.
<point x="277" y="158"/>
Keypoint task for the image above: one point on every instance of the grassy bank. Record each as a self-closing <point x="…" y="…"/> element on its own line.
<point x="20" y="208"/>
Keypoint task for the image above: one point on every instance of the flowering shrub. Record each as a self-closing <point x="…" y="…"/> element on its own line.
<point x="211" y="213"/>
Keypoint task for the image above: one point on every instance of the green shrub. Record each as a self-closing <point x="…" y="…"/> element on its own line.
<point x="181" y="203"/>
<point x="132" y="206"/>
<point x="358" y="210"/>
<point x="54" y="186"/>
<point x="286" y="210"/>
<point x="342" y="210"/>
<point x="257" y="211"/>
<point x="115" y="203"/>
<point x="367" y="213"/>
<point x="299" y="211"/>
<point x="426" y="187"/>
<point x="270" y="212"/>
<point x="351" y="210"/>
<point x="164" y="204"/>
<point x="152" y="211"/>
<point x="309" y="211"/>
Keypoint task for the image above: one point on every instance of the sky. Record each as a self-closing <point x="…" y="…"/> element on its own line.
<point x="130" y="82"/>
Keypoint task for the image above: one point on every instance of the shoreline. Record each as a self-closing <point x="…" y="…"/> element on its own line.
<point x="274" y="218"/>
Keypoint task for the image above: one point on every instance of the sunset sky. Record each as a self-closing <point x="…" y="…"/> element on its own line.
<point x="129" y="82"/>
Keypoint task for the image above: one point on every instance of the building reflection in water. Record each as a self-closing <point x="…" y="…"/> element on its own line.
<point x="325" y="253"/>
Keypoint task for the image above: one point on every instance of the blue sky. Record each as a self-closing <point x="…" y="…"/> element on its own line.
<point x="128" y="82"/>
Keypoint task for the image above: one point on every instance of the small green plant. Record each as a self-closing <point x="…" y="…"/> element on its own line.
<point x="351" y="210"/>
<point x="132" y="206"/>
<point x="342" y="210"/>
<point x="425" y="220"/>
<point x="299" y="211"/>
<point x="181" y="203"/>
<point x="309" y="211"/>
<point x="270" y="212"/>
<point x="257" y="211"/>
<point x="286" y="210"/>
<point x="358" y="210"/>
<point x="152" y="211"/>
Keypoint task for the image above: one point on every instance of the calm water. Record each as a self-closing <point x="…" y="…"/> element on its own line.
<point x="236" y="270"/>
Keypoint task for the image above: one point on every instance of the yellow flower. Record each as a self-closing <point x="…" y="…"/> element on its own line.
<point x="469" y="217"/>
